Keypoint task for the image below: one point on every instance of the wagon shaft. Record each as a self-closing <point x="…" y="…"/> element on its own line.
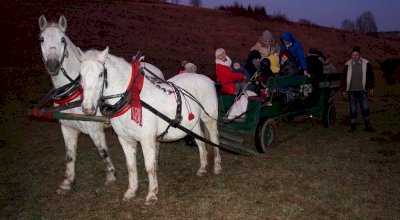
<point x="38" y="114"/>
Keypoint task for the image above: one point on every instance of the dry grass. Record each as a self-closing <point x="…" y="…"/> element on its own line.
<point x="313" y="173"/>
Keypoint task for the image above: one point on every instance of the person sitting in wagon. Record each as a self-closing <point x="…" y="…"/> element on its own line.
<point x="288" y="66"/>
<point x="231" y="83"/>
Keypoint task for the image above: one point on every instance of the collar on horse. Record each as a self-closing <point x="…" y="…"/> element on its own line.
<point x="68" y="92"/>
<point x="63" y="96"/>
<point x="130" y="99"/>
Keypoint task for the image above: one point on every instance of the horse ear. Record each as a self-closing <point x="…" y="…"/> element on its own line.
<point x="63" y="23"/>
<point x="42" y="22"/>
<point x="103" y="55"/>
<point x="79" y="54"/>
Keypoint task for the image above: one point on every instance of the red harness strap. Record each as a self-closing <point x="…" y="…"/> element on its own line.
<point x="71" y="97"/>
<point x="136" y="105"/>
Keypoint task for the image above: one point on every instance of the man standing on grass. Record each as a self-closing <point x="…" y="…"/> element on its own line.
<point x="357" y="83"/>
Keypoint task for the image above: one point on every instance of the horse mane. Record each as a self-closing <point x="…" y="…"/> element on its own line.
<point x="111" y="59"/>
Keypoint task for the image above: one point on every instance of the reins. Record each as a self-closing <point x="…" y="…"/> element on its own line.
<point x="187" y="131"/>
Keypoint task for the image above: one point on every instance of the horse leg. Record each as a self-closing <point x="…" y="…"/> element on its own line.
<point x="130" y="148"/>
<point x="157" y="153"/>
<point x="202" y="151"/>
<point x="150" y="151"/>
<point x="99" y="140"/>
<point x="71" y="140"/>
<point x="211" y="128"/>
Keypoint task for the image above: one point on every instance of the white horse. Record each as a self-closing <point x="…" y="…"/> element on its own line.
<point x="159" y="96"/>
<point x="62" y="64"/>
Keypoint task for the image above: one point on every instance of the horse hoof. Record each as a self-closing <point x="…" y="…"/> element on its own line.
<point x="62" y="191"/>
<point x="110" y="179"/>
<point x="125" y="199"/>
<point x="64" y="187"/>
<point x="151" y="201"/>
<point x="129" y="194"/>
<point x="201" y="173"/>
<point x="217" y="171"/>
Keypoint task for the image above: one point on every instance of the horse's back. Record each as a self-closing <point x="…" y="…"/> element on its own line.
<point x="201" y="87"/>
<point x="152" y="69"/>
<point x="192" y="80"/>
<point x="197" y="83"/>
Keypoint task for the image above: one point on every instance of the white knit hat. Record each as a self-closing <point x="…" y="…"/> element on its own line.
<point x="190" y="68"/>
<point x="218" y="52"/>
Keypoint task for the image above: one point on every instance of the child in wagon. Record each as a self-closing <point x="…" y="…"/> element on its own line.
<point x="288" y="65"/>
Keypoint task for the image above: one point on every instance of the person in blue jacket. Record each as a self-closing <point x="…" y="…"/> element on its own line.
<point x="296" y="50"/>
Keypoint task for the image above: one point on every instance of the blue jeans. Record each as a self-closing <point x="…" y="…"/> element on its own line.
<point x="361" y="98"/>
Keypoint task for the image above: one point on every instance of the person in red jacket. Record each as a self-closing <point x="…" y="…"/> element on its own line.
<point x="231" y="82"/>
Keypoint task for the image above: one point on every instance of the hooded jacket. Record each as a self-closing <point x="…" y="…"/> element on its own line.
<point x="296" y="49"/>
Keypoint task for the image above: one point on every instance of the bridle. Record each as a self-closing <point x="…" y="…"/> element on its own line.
<point x="71" y="90"/>
<point x="122" y="105"/>
<point x="65" y="55"/>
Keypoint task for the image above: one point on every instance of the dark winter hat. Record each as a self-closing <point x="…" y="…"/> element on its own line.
<point x="313" y="51"/>
<point x="356" y="49"/>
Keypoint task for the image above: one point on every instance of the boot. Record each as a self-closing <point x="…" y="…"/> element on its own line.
<point x="369" y="129"/>
<point x="352" y="127"/>
<point x="189" y="140"/>
<point x="368" y="126"/>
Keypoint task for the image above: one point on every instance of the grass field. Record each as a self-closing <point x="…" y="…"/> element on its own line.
<point x="312" y="173"/>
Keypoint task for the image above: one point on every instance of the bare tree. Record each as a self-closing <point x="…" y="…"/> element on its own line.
<point x="366" y="23"/>
<point x="348" y="25"/>
<point x="195" y="3"/>
<point x="175" y="1"/>
<point x="304" y="21"/>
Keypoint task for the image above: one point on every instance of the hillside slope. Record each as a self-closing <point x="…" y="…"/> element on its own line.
<point x="169" y="33"/>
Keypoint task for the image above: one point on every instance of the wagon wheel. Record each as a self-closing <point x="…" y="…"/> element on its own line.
<point x="329" y="115"/>
<point x="265" y="136"/>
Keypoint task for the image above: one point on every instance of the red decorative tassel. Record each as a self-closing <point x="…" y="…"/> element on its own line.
<point x="190" y="116"/>
<point x="136" y="105"/>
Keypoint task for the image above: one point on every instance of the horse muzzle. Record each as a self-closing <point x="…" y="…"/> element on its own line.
<point x="89" y="110"/>
<point x="53" y="66"/>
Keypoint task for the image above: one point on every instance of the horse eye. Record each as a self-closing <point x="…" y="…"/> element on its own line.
<point x="101" y="74"/>
<point x="63" y="40"/>
<point x="41" y="39"/>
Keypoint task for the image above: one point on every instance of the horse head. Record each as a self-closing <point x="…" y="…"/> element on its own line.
<point x="93" y="78"/>
<point x="53" y="43"/>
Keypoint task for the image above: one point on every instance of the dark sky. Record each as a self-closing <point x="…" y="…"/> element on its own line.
<point x="328" y="13"/>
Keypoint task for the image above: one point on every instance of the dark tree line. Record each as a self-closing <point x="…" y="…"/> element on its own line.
<point x="249" y="11"/>
<point x="364" y="24"/>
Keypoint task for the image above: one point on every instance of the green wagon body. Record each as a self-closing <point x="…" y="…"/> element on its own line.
<point x="258" y="113"/>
